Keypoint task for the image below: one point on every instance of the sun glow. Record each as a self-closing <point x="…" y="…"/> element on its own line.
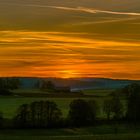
<point x="67" y="55"/>
<point x="68" y="74"/>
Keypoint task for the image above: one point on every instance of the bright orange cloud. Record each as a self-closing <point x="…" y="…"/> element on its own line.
<point x="67" y="55"/>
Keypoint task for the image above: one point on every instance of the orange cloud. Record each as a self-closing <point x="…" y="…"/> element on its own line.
<point x="60" y="54"/>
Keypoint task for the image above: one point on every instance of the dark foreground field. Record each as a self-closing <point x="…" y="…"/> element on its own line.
<point x="9" y="105"/>
<point x="80" y="137"/>
<point x="66" y="134"/>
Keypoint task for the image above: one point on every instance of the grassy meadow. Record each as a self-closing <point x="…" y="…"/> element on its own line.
<point x="9" y="105"/>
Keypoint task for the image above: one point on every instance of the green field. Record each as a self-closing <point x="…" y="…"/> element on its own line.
<point x="9" y="105"/>
<point x="37" y="92"/>
<point x="99" y="92"/>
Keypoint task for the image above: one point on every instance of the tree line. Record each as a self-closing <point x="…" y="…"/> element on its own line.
<point x="8" y="84"/>
<point x="47" y="114"/>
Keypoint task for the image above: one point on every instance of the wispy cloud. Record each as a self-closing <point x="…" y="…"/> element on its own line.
<point x="102" y="21"/>
<point x="112" y="51"/>
<point x="93" y="11"/>
<point x="78" y="9"/>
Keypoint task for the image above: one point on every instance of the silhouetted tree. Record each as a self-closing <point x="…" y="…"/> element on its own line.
<point x="2" y="83"/>
<point x="117" y="107"/>
<point x="107" y="108"/>
<point x="93" y="109"/>
<point x="4" y="89"/>
<point x="37" y="84"/>
<point x="35" y="110"/>
<point x="113" y="107"/>
<point x="52" y="114"/>
<point x="45" y="114"/>
<point x="133" y="111"/>
<point x="13" y="83"/>
<point x="7" y="84"/>
<point x="81" y="113"/>
<point x="39" y="114"/>
<point x="1" y="119"/>
<point x="47" y="85"/>
<point x="22" y="118"/>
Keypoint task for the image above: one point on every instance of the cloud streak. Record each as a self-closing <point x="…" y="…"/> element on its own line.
<point x="78" y="9"/>
<point x="63" y="55"/>
<point x="94" y="11"/>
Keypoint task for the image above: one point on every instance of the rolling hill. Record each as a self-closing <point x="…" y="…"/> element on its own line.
<point x="80" y="83"/>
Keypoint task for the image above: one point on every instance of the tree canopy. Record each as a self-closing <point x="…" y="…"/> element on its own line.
<point x="82" y="112"/>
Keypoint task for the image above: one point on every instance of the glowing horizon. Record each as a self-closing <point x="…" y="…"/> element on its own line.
<point x="66" y="55"/>
<point x="70" y="39"/>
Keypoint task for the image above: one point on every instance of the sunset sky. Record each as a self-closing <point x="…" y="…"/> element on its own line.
<point x="69" y="39"/>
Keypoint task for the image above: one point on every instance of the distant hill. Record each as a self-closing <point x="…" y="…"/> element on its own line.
<point x="80" y="83"/>
<point x="93" y="83"/>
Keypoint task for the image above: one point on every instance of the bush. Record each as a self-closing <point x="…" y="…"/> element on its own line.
<point x="5" y="92"/>
<point x="81" y="113"/>
<point x="1" y="119"/>
<point x="133" y="107"/>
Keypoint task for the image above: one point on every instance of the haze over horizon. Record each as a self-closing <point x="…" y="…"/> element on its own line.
<point x="70" y="39"/>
